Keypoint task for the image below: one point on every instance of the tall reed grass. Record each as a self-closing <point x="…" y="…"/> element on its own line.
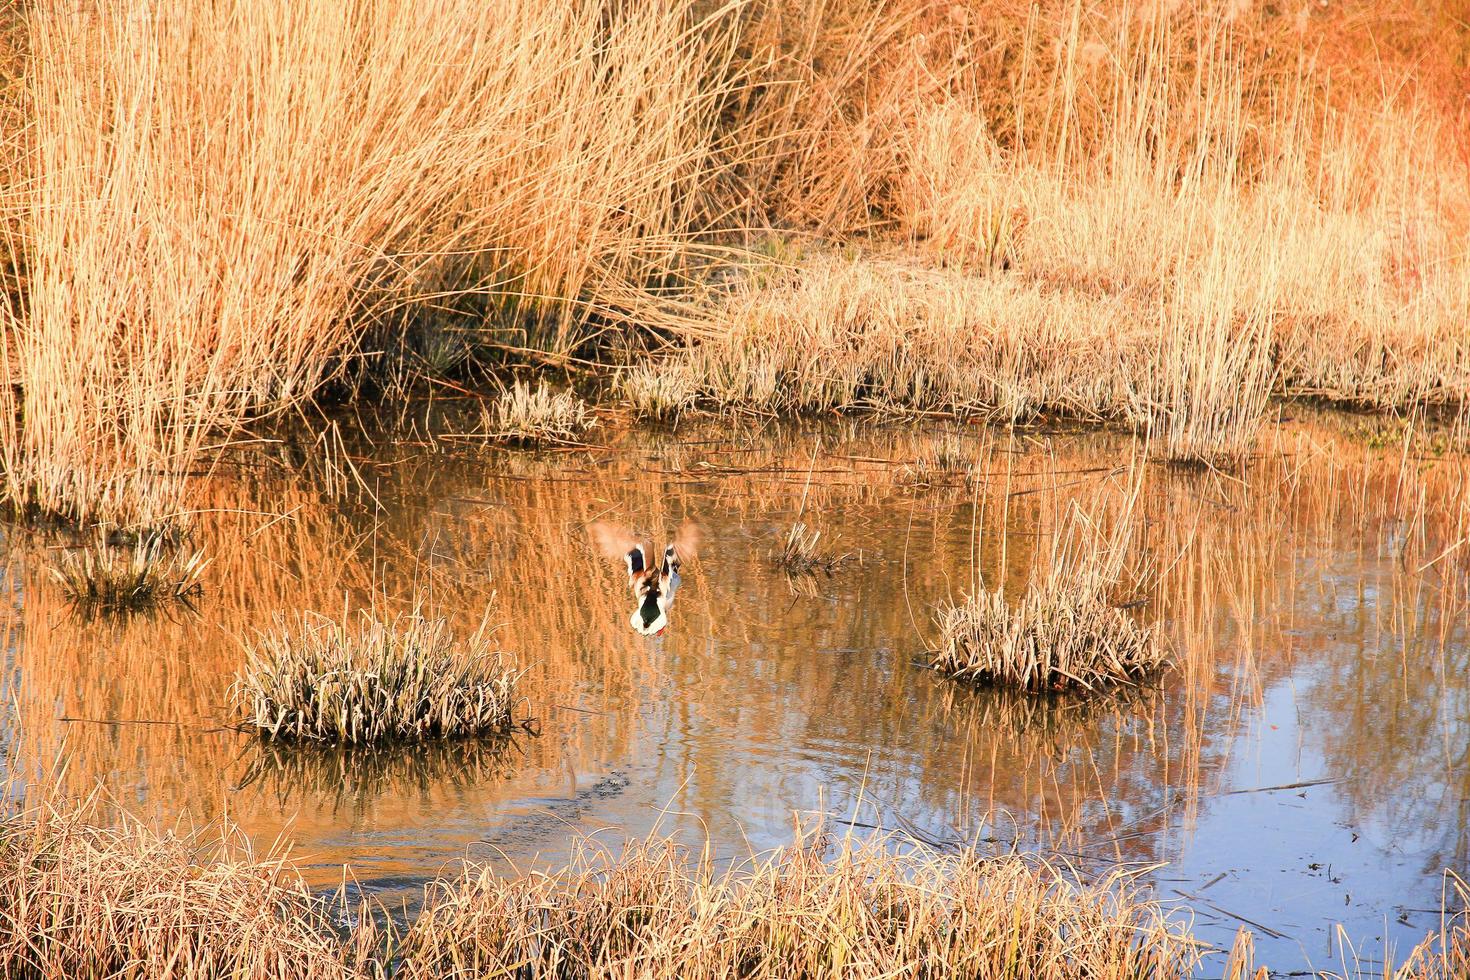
<point x="221" y="200"/>
<point x="1161" y="213"/>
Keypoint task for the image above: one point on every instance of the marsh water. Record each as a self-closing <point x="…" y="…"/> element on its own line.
<point x="1302" y="769"/>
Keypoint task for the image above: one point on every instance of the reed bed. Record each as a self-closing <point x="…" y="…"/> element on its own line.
<point x="85" y="900"/>
<point x="1160" y="213"/>
<point x="368" y="680"/>
<point x="113" y="578"/>
<point x="177" y="286"/>
<point x="1066" y="631"/>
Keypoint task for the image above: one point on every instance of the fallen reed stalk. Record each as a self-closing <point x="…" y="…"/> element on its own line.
<point x="368" y="680"/>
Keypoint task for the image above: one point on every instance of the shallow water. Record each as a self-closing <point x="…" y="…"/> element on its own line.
<point x="1318" y="623"/>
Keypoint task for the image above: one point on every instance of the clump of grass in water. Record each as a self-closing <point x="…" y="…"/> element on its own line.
<point x="1065" y="632"/>
<point x="659" y="390"/>
<point x="375" y="681"/>
<point x="1062" y="634"/>
<point x="802" y="553"/>
<point x="526" y="415"/>
<point x="113" y="578"/>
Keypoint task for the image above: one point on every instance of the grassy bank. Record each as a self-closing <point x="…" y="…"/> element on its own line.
<point x="1153" y="213"/>
<point x="86" y="900"/>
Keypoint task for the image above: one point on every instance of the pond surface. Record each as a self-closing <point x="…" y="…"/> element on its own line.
<point x="1303" y="769"/>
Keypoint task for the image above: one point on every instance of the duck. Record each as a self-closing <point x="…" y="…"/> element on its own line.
<point x="653" y="587"/>
<point x="653" y="583"/>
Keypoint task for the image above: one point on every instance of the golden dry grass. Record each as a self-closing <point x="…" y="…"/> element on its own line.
<point x="82" y="899"/>
<point x="1063" y="634"/>
<point x="1066" y="631"/>
<point x="220" y="201"/>
<point x="78" y="899"/>
<point x="1158" y="213"/>
<point x="111" y="578"/>
<point x="529" y="415"/>
<point x="368" y="680"/>
<point x="863" y="911"/>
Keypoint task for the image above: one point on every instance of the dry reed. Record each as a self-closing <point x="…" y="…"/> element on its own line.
<point x="1062" y="634"/>
<point x="802" y="553"/>
<point x="176" y="285"/>
<point x="375" y="680"/>
<point x="82" y="900"/>
<point x="865" y="910"/>
<point x="113" y="578"/>
<point x="1065" y="632"/>
<point x="526" y="415"/>
<point x="78" y="899"/>
<point x="1160" y="214"/>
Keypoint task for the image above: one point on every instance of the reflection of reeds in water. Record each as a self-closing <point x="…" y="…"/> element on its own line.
<point x="1225" y="552"/>
<point x="374" y="680"/>
<point x="353" y="777"/>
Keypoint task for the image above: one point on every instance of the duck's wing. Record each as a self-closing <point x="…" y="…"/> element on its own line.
<point x="686" y="541"/>
<point x="612" y="540"/>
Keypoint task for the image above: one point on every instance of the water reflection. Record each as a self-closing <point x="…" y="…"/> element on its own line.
<point x="1316" y="599"/>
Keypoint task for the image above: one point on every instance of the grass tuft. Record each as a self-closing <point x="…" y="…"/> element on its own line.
<point x="659" y="390"/>
<point x="113" y="578"/>
<point x="526" y="415"/>
<point x="803" y="554"/>
<point x="1061" y="635"/>
<point x="375" y="681"/>
<point x="1065" y="632"/>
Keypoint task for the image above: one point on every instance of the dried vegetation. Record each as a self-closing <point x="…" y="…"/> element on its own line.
<point x="110" y="577"/>
<point x="1067" y="631"/>
<point x="375" y="680"/>
<point x="1156" y="213"/>
<point x="530" y="415"/>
